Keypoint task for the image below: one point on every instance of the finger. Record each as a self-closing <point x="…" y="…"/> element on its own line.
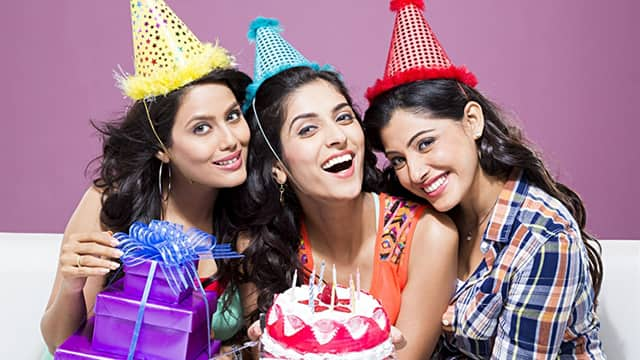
<point x="103" y="238"/>
<point x="254" y="331"/>
<point x="97" y="250"/>
<point x="91" y="261"/>
<point x="397" y="338"/>
<point x="78" y="272"/>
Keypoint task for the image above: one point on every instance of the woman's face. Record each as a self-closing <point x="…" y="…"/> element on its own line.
<point x="322" y="143"/>
<point x="210" y="137"/>
<point x="433" y="158"/>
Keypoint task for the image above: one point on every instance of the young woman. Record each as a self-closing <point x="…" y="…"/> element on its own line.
<point x="168" y="158"/>
<point x="528" y="277"/>
<point x="311" y="196"/>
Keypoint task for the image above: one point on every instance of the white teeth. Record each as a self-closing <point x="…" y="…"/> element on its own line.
<point x="227" y="162"/>
<point x="436" y="184"/>
<point x="337" y="160"/>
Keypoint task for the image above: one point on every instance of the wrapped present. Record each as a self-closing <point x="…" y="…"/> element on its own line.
<point x="136" y="279"/>
<point x="154" y="312"/>
<point x="79" y="346"/>
<point x="168" y="331"/>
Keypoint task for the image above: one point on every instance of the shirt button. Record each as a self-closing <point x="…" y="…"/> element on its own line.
<point x="445" y="322"/>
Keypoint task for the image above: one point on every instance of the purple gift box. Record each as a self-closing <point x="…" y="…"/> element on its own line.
<point x="136" y="278"/>
<point x="168" y="331"/>
<point x="78" y="346"/>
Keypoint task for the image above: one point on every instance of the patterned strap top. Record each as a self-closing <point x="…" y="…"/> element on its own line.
<point x="396" y="224"/>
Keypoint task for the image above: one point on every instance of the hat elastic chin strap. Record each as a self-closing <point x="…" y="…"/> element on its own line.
<point x="153" y="128"/>
<point x="273" y="151"/>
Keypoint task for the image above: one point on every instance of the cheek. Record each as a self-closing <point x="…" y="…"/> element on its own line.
<point x="242" y="133"/>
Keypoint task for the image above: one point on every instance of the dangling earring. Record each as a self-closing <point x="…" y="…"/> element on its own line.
<point x="164" y="198"/>
<point x="282" y="194"/>
<point x="479" y="154"/>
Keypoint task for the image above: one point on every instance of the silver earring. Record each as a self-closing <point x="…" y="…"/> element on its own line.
<point x="164" y="198"/>
<point x="282" y="194"/>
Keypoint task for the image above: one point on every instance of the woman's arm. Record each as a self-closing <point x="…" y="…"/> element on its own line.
<point x="75" y="288"/>
<point x="430" y="284"/>
<point x="539" y="302"/>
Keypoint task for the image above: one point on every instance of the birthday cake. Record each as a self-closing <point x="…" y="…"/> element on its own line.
<point x="338" y="324"/>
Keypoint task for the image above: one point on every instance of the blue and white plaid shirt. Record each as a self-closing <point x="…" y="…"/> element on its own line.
<point x="531" y="297"/>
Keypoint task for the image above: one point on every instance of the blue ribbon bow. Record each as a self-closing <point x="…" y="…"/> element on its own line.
<point x="174" y="250"/>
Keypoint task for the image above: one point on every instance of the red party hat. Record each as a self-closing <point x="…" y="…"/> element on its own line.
<point x="415" y="52"/>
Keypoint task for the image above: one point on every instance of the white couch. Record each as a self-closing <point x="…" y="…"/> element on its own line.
<point x="29" y="263"/>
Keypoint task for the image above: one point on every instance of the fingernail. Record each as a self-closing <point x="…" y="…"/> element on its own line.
<point x="115" y="242"/>
<point x="103" y="270"/>
<point x="114" y="265"/>
<point x="118" y="253"/>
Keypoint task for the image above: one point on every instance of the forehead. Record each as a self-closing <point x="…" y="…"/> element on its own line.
<point x="205" y="99"/>
<point x="318" y="96"/>
<point x="405" y="123"/>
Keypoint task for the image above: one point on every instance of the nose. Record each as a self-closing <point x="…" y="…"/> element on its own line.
<point x="418" y="170"/>
<point x="227" y="141"/>
<point x="335" y="135"/>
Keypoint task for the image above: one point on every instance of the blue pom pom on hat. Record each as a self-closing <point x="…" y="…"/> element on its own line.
<point x="274" y="54"/>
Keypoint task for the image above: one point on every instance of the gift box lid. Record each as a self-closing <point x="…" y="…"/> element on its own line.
<point x="185" y="316"/>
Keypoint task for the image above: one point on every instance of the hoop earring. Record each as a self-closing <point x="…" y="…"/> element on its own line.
<point x="164" y="198"/>
<point x="282" y="194"/>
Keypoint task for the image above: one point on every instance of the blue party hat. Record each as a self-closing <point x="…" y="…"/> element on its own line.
<point x="274" y="54"/>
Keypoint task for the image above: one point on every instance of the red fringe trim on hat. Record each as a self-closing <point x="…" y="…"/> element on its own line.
<point x="459" y="73"/>
<point x="397" y="5"/>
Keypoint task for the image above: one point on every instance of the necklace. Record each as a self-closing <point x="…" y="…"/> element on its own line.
<point x="470" y="232"/>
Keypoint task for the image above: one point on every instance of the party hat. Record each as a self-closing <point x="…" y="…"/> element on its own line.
<point x="415" y="52"/>
<point x="167" y="54"/>
<point x="273" y="54"/>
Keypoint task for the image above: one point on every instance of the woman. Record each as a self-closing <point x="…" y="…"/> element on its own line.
<point x="527" y="276"/>
<point x="311" y="197"/>
<point x="168" y="158"/>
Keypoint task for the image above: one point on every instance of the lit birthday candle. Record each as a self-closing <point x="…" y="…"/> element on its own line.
<point x="358" y="283"/>
<point x="320" y="281"/>
<point x="352" y="293"/>
<point x="311" y="288"/>
<point x="293" y="285"/>
<point x="333" y="287"/>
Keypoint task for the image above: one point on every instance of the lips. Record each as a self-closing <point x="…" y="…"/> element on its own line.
<point x="338" y="162"/>
<point x="436" y="185"/>
<point x="231" y="162"/>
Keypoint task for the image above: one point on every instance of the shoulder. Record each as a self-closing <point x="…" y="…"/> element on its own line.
<point x="86" y="216"/>
<point x="436" y="231"/>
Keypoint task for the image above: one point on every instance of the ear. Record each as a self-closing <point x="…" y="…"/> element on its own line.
<point x="279" y="175"/>
<point x="473" y="119"/>
<point x="163" y="156"/>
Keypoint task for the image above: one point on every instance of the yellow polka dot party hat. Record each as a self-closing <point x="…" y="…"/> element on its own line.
<point x="167" y="54"/>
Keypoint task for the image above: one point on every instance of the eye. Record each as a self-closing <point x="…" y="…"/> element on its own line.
<point x="424" y="144"/>
<point x="201" y="128"/>
<point x="396" y="162"/>
<point x="234" y="115"/>
<point x="307" y="130"/>
<point x="345" y="118"/>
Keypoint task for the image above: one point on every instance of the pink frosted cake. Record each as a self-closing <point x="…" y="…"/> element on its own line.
<point x="355" y="327"/>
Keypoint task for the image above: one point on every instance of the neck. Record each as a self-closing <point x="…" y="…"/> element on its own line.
<point x="339" y="228"/>
<point x="478" y="203"/>
<point x="190" y="204"/>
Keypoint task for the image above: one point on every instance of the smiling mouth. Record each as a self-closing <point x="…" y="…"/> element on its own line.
<point x="228" y="161"/>
<point x="338" y="163"/>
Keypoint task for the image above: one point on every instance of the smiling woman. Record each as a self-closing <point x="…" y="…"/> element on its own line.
<point x="311" y="197"/>
<point x="179" y="147"/>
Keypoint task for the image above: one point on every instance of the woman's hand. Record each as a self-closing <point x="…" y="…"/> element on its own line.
<point x="397" y="338"/>
<point x="87" y="254"/>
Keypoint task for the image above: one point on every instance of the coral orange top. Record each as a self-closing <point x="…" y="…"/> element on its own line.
<point x="396" y="224"/>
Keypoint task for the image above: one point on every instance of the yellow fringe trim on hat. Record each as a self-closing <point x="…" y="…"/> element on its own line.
<point x="163" y="82"/>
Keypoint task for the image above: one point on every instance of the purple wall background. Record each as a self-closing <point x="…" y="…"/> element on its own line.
<point x="567" y="69"/>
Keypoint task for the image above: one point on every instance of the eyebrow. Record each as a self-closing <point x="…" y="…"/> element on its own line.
<point x="312" y="115"/>
<point x="212" y="117"/>
<point x="416" y="135"/>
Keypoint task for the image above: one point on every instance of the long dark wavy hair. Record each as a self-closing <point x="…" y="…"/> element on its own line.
<point x="128" y="168"/>
<point x="502" y="145"/>
<point x="274" y="227"/>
